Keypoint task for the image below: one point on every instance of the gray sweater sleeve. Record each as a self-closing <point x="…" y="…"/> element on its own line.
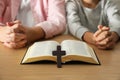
<point x="74" y="20"/>
<point x="113" y="13"/>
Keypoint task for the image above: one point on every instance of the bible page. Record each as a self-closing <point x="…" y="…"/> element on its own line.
<point x="75" y="47"/>
<point x="43" y="48"/>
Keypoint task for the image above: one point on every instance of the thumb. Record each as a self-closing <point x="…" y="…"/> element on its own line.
<point x="100" y="26"/>
<point x="12" y="23"/>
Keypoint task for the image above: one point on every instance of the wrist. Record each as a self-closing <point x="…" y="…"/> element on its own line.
<point x="37" y="32"/>
<point x="88" y="37"/>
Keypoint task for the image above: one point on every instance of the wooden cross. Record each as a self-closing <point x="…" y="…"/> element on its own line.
<point x="58" y="53"/>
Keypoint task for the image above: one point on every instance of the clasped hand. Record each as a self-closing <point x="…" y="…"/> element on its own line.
<point x="13" y="35"/>
<point x="104" y="38"/>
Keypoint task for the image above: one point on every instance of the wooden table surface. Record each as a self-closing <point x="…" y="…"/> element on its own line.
<point x="11" y="69"/>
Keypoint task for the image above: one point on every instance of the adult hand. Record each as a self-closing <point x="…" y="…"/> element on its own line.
<point x="4" y="33"/>
<point x="22" y="35"/>
<point x="16" y="37"/>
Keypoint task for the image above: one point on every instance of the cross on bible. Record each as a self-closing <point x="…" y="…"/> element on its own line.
<point x="59" y="53"/>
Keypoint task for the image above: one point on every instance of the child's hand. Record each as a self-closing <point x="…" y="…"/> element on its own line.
<point x="102" y="38"/>
<point x="101" y="34"/>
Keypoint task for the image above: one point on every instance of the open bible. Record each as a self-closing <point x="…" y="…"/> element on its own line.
<point x="75" y="51"/>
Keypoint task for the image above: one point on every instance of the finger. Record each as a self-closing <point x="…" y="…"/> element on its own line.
<point x="8" y="31"/>
<point x="10" y="45"/>
<point x="19" y="28"/>
<point x="17" y="21"/>
<point x="21" y="44"/>
<point x="100" y="30"/>
<point x="19" y="37"/>
<point x="104" y="35"/>
<point x="9" y="24"/>
<point x="12" y="23"/>
<point x="109" y="45"/>
<point x="102" y="47"/>
<point x="97" y="33"/>
<point x="11" y="29"/>
<point x="16" y="45"/>
<point x="16" y="28"/>
<point x="104" y="28"/>
<point x="16" y="37"/>
<point x="104" y="42"/>
<point x="100" y="26"/>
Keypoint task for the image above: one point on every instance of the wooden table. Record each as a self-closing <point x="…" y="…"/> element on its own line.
<point x="11" y="69"/>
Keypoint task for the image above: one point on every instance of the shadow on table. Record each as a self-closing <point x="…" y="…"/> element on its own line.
<point x="67" y="63"/>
